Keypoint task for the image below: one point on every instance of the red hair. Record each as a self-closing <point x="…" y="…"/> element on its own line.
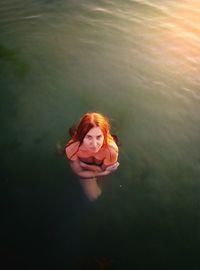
<point x="89" y="121"/>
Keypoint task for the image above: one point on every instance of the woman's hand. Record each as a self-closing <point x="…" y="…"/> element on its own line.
<point x="76" y="166"/>
<point x="113" y="167"/>
<point x="90" y="167"/>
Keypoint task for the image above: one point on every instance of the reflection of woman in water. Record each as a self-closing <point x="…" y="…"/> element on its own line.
<point x="92" y="152"/>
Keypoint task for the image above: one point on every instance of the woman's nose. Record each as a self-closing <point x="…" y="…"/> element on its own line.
<point x="94" y="142"/>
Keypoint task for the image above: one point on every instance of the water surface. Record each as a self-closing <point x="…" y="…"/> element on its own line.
<point x="137" y="62"/>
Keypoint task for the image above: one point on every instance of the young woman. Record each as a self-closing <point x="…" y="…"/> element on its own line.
<point x="92" y="152"/>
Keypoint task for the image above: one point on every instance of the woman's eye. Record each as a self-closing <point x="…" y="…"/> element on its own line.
<point x="89" y="137"/>
<point x="99" y="137"/>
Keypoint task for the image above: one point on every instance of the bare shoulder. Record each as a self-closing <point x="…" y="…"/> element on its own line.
<point x="111" y="153"/>
<point x="71" y="149"/>
<point x="112" y="146"/>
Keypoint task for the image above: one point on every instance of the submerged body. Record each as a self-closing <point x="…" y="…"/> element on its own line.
<point x="92" y="155"/>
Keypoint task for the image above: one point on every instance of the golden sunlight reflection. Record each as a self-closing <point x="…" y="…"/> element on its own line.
<point x="181" y="39"/>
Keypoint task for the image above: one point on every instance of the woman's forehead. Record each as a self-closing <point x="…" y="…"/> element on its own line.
<point x="95" y="131"/>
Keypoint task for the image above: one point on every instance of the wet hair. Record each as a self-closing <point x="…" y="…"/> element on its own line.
<point x="88" y="121"/>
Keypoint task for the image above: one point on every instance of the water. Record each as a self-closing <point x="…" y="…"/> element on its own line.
<point x="139" y="63"/>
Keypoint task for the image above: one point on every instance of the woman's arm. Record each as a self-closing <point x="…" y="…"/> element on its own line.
<point x="77" y="169"/>
<point x="96" y="168"/>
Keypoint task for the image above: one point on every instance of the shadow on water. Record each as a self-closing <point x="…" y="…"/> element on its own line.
<point x="44" y="208"/>
<point x="11" y="61"/>
<point x="48" y="222"/>
<point x="48" y="218"/>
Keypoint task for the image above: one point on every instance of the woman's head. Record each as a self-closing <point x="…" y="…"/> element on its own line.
<point x="93" y="131"/>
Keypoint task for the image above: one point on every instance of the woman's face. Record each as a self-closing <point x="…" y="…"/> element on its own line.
<point x="94" y="139"/>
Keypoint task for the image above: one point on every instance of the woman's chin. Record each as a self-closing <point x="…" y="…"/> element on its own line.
<point x="92" y="150"/>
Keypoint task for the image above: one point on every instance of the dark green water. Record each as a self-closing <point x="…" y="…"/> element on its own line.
<point x="137" y="62"/>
